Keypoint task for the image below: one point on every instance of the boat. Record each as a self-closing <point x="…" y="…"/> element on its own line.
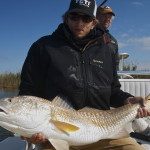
<point x="137" y="87"/>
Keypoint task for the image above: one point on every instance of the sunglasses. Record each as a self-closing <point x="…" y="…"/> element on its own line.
<point x="77" y="17"/>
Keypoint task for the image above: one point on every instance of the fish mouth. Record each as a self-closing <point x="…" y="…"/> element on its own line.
<point x="2" y="110"/>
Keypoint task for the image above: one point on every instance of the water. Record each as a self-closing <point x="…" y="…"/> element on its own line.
<point x="6" y="93"/>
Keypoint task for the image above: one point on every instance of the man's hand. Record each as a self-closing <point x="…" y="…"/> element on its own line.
<point x="35" y="139"/>
<point x="142" y="111"/>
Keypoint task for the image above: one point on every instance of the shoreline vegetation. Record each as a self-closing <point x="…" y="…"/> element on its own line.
<point x="10" y="80"/>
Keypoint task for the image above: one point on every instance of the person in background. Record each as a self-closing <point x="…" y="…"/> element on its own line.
<point x="105" y="15"/>
<point x="76" y="62"/>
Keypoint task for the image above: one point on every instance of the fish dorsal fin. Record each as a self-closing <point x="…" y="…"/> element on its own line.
<point x="62" y="101"/>
<point x="59" y="144"/>
<point x="65" y="127"/>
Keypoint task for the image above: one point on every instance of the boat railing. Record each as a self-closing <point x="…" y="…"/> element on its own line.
<point x="131" y="74"/>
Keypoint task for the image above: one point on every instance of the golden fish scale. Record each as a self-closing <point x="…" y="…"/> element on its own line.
<point x="98" y="118"/>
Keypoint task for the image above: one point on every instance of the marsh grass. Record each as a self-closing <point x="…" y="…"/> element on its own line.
<point x="9" y="80"/>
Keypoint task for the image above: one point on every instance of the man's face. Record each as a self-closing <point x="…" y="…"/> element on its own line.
<point x="80" y="24"/>
<point x="105" y="20"/>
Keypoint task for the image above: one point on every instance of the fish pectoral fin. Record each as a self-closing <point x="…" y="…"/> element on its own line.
<point x="65" y="127"/>
<point x="59" y="144"/>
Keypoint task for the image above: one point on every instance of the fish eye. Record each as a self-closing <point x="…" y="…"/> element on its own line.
<point x="9" y="100"/>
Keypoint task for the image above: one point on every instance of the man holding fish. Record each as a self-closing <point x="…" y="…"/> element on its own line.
<point x="75" y="62"/>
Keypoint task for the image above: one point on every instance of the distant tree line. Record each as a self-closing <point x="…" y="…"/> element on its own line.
<point x="10" y="80"/>
<point x="133" y="67"/>
<point x="130" y="67"/>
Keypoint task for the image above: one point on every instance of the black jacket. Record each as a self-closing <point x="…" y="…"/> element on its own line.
<point x="56" y="65"/>
<point x="112" y="43"/>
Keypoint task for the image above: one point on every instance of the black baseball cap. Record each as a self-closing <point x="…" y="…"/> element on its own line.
<point x="87" y="7"/>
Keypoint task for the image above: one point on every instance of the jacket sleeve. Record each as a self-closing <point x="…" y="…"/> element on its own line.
<point x="33" y="72"/>
<point x="114" y="46"/>
<point x="117" y="95"/>
<point x="117" y="56"/>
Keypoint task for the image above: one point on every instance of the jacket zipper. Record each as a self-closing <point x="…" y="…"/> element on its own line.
<point x="84" y="76"/>
<point x="84" y="71"/>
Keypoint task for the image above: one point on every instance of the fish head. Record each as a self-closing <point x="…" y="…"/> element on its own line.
<point x="23" y="113"/>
